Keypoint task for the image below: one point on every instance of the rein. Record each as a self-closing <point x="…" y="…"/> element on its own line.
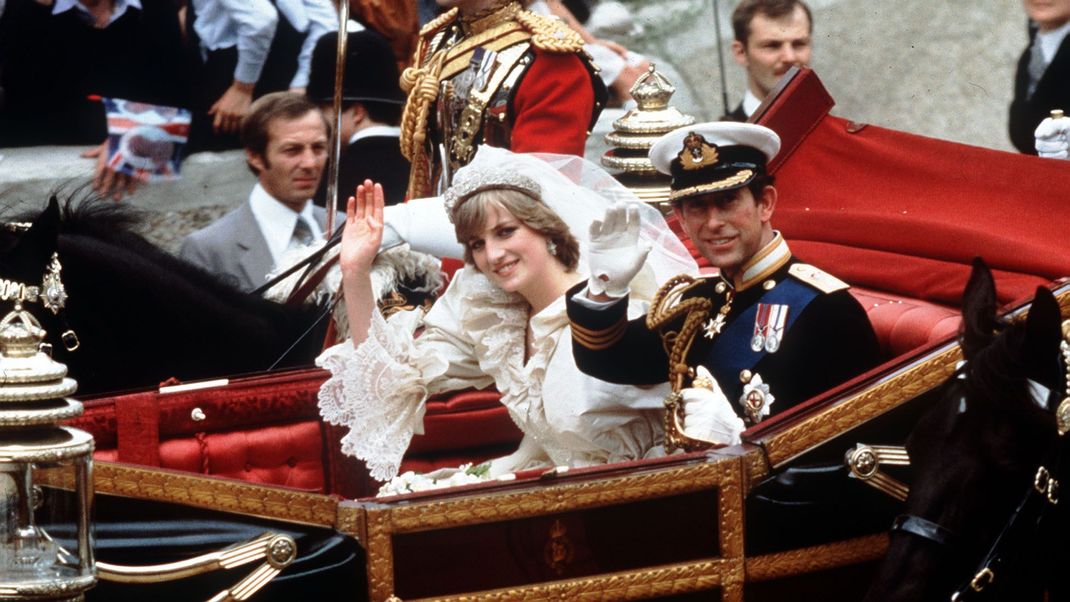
<point x="1021" y="529"/>
<point x="308" y="263"/>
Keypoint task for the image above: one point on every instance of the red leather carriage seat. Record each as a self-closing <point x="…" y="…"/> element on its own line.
<point x="903" y="323"/>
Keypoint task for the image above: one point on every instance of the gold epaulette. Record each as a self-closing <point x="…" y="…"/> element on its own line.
<point x="817" y="278"/>
<point x="438" y="23"/>
<point x="550" y="34"/>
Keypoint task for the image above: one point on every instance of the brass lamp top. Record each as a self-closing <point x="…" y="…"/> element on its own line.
<point x="652" y="115"/>
<point x="635" y="132"/>
<point x="32" y="385"/>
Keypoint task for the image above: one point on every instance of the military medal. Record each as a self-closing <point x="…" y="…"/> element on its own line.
<point x="756" y="397"/>
<point x="769" y="324"/>
<point x="715" y="325"/>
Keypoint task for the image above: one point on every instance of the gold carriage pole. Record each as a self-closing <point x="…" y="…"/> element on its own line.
<point x="336" y="138"/>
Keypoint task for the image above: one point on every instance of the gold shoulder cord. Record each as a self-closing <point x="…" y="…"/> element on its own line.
<point x="420" y="82"/>
<point x="666" y="307"/>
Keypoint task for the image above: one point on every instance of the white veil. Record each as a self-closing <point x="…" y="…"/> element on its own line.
<point x="580" y="192"/>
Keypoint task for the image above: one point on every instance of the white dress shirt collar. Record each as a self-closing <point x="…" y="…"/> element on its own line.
<point x="750" y="103"/>
<point x="1051" y="40"/>
<point x="277" y="221"/>
<point x="376" y="130"/>
<point x="118" y="9"/>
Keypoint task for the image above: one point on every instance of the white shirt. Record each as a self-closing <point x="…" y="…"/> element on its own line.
<point x="247" y="24"/>
<point x="750" y="102"/>
<point x="277" y="221"/>
<point x="317" y="17"/>
<point x="1051" y="40"/>
<point x="392" y="131"/>
<point x="251" y="24"/>
<point x="118" y="9"/>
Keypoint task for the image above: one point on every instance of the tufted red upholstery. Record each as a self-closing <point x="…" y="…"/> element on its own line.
<point x="266" y="429"/>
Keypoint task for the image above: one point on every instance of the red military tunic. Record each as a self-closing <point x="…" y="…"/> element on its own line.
<point x="511" y="79"/>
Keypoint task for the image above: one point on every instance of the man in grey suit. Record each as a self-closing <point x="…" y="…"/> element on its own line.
<point x="285" y="139"/>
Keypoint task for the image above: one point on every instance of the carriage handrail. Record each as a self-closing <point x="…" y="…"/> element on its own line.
<point x="278" y="551"/>
<point x="864" y="462"/>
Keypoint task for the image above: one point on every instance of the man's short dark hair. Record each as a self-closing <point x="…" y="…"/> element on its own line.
<point x="380" y="112"/>
<point x="773" y="9"/>
<point x="268" y="108"/>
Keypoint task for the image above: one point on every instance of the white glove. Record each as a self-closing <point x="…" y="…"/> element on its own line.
<point x="708" y="416"/>
<point x="1051" y="138"/>
<point x="616" y="255"/>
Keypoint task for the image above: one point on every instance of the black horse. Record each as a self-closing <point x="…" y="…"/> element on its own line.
<point x="140" y="314"/>
<point x="980" y="522"/>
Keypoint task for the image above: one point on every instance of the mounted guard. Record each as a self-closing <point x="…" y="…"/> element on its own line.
<point x="500" y="75"/>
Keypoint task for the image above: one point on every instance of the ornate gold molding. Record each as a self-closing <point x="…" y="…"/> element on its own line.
<point x="627" y="585"/>
<point x="207" y="492"/>
<point x="724" y="474"/>
<point x="490" y="507"/>
<point x="816" y="558"/>
<point x="903" y="385"/>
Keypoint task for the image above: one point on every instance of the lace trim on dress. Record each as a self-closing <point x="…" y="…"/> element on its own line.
<point x="377" y="390"/>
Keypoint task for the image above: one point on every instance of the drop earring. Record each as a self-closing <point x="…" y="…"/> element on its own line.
<point x="551" y="247"/>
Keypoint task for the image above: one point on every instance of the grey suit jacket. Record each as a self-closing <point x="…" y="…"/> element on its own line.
<point x="234" y="248"/>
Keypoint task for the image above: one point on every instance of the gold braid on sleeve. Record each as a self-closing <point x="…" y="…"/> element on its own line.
<point x="550" y="34"/>
<point x="667" y="306"/>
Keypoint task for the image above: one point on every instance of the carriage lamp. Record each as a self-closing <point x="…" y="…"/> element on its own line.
<point x="33" y="446"/>
<point x="635" y="132"/>
<point x="42" y="462"/>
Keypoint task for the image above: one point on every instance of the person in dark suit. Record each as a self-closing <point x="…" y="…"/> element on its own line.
<point x="285" y="140"/>
<point x="768" y="328"/>
<point x="371" y="113"/>
<point x="1042" y="81"/>
<point x="772" y="36"/>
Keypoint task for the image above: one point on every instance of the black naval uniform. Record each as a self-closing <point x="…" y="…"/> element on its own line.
<point x="827" y="341"/>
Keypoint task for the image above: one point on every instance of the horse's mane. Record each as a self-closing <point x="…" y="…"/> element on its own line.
<point x="87" y="216"/>
<point x="142" y="313"/>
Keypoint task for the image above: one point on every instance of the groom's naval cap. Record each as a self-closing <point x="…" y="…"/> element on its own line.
<point x="713" y="157"/>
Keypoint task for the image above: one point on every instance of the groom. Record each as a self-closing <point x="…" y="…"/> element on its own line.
<point x="768" y="328"/>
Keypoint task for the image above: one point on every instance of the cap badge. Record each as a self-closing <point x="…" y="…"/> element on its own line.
<point x="697" y="153"/>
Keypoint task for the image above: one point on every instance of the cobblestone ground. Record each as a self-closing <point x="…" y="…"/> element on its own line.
<point x="166" y="229"/>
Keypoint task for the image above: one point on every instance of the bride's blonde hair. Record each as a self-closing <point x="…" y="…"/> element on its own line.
<point x="470" y="217"/>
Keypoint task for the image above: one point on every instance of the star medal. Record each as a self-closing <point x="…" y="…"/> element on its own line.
<point x="715" y="325"/>
<point x="756" y="397"/>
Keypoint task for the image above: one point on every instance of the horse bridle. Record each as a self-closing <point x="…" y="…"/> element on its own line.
<point x="51" y="294"/>
<point x="1025" y="522"/>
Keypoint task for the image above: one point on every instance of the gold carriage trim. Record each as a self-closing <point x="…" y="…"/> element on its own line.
<point x="724" y="184"/>
<point x="599" y="339"/>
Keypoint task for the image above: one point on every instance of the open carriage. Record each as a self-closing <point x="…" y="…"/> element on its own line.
<point x="896" y="215"/>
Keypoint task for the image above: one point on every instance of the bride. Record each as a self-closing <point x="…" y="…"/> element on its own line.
<point x="522" y="222"/>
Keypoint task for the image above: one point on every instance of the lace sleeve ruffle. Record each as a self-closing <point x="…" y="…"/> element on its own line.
<point x="378" y="390"/>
